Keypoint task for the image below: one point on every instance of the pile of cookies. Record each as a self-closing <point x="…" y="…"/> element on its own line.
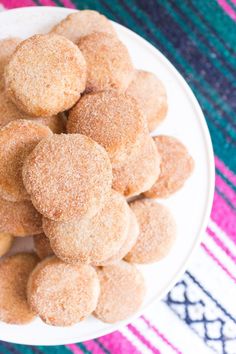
<point x="75" y="118"/>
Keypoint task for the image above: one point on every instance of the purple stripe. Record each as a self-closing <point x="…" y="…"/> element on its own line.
<point x="143" y="339"/>
<point x="218" y="262"/>
<point x="160" y="335"/>
<point x="221" y="244"/>
<point x="225" y="170"/>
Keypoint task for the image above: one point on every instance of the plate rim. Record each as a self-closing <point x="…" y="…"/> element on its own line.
<point x="211" y="179"/>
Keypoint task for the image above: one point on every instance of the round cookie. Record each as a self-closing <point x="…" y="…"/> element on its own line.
<point x="157" y="232"/>
<point x="176" y="167"/>
<point x="67" y="177"/>
<point x="82" y="23"/>
<point x="14" y="274"/>
<point x="108" y="62"/>
<point x="111" y="118"/>
<point x="91" y="240"/>
<point x="6" y="241"/>
<point x="151" y="95"/>
<point x="62" y="294"/>
<point x="130" y="241"/>
<point x="7" y="48"/>
<point x="122" y="292"/>
<point x="17" y="140"/>
<point x="42" y="246"/>
<point x="9" y="112"/>
<point x="139" y="170"/>
<point x="45" y="75"/>
<point x="19" y="218"/>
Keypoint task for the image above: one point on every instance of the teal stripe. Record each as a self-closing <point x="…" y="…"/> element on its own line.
<point x="223" y="25"/>
<point x="223" y="123"/>
<point x="202" y="47"/>
<point x="230" y="184"/>
<point x="232" y="5"/>
<point x="3" y="349"/>
<point x="83" y="348"/>
<point x="54" y="350"/>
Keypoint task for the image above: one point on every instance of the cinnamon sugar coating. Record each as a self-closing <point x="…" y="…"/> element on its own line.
<point x="45" y="75"/>
<point x="67" y="177"/>
<point x="19" y="218"/>
<point x="14" y="274"/>
<point x="7" y="48"/>
<point x="63" y="294"/>
<point x="157" y="232"/>
<point x="6" y="241"/>
<point x="82" y="23"/>
<point x="122" y="292"/>
<point x="108" y="62"/>
<point x="175" y="168"/>
<point x="17" y="140"/>
<point x="151" y="95"/>
<point x="91" y="240"/>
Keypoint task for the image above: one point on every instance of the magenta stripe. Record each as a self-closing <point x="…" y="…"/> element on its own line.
<point x="221" y="244"/>
<point x="47" y="3"/>
<point x="227" y="8"/>
<point x="142" y="339"/>
<point x="68" y="3"/>
<point x="160" y="335"/>
<point x="10" y="4"/>
<point x="224" y="216"/>
<point x="93" y="347"/>
<point x="218" y="262"/>
<point x="225" y="170"/>
<point x="116" y="342"/>
<point x="74" y="349"/>
<point x="226" y="190"/>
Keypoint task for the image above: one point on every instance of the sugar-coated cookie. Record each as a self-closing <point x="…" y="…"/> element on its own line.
<point x="6" y="241"/>
<point x="82" y="23"/>
<point x="157" y="232"/>
<point x="122" y="292"/>
<point x="175" y="168"/>
<point x="62" y="294"/>
<point x="19" y="218"/>
<point x="17" y="139"/>
<point x="14" y="274"/>
<point x="91" y="240"/>
<point x="45" y="75"/>
<point x="109" y="65"/>
<point x="151" y="95"/>
<point x="68" y="176"/>
<point x="7" y="48"/>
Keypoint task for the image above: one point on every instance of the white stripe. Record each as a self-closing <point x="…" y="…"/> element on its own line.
<point x="214" y="280"/>
<point x="152" y="337"/>
<point x="220" y="254"/>
<point x="176" y="330"/>
<point x="222" y="235"/>
<point x="135" y="341"/>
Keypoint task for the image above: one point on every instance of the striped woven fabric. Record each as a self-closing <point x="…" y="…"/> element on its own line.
<point x="199" y="314"/>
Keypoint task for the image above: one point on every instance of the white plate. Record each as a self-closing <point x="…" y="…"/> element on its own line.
<point x="191" y="206"/>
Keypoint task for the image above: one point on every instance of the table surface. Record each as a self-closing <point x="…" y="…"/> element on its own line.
<point x="199" y="313"/>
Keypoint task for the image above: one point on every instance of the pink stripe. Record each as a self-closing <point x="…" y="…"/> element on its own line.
<point x="218" y="262"/>
<point x="159" y="334"/>
<point x="227" y="8"/>
<point x="224" y="216"/>
<point x="74" y="349"/>
<point x="234" y="1"/>
<point x="92" y="346"/>
<point x="47" y="3"/>
<point x="118" y="343"/>
<point x="69" y="4"/>
<point x="221" y="245"/>
<point x="10" y="4"/>
<point x="225" y="170"/>
<point x="143" y="339"/>
<point x="226" y="190"/>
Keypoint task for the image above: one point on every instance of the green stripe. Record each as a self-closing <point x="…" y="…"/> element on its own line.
<point x="202" y="47"/>
<point x="223" y="25"/>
